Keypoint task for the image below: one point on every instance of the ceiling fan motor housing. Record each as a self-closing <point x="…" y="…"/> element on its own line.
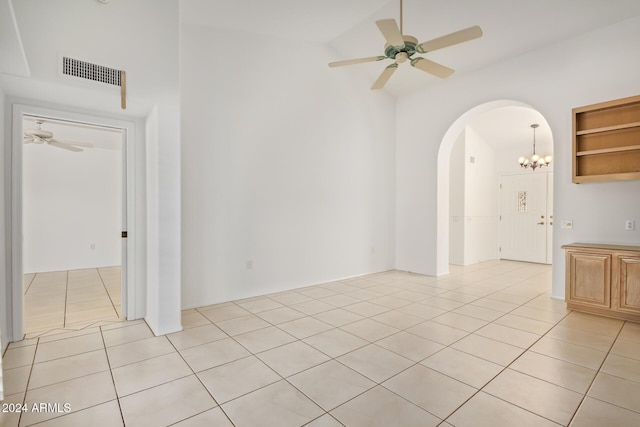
<point x="409" y="47"/>
<point x="39" y="133"/>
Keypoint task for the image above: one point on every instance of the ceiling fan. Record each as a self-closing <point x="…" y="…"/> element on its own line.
<point x="41" y="136"/>
<point x="402" y="48"/>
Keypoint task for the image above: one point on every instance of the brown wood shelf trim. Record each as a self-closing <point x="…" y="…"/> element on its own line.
<point x="608" y="128"/>
<point x="604" y="246"/>
<point x="608" y="104"/>
<point x="608" y="150"/>
<point x="623" y="176"/>
<point x="603" y="312"/>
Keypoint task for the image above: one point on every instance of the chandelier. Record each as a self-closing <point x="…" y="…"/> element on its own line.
<point x="535" y="161"/>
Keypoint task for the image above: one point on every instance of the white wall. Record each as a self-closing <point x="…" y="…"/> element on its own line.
<point x="287" y="168"/>
<point x="72" y="202"/>
<point x="163" y="154"/>
<point x="473" y="210"/>
<point x="6" y="311"/>
<point x="481" y="200"/>
<point x="457" y="202"/>
<point x="553" y="80"/>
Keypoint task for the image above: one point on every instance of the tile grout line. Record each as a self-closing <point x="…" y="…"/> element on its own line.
<point x="340" y="362"/>
<point x="584" y="396"/>
<point x="282" y="378"/>
<point x="30" y="283"/>
<point x="67" y="293"/>
<point x="107" y="291"/>
<point x="113" y="381"/>
<point x="66" y="297"/>
<point x="481" y="389"/>
<point x="333" y="327"/>
<point x="195" y="374"/>
<point x="255" y="314"/>
<point x="26" y="387"/>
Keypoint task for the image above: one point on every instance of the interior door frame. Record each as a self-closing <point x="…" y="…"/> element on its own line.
<point x="130" y="287"/>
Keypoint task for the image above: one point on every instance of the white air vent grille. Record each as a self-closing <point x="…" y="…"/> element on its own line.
<point x="89" y="71"/>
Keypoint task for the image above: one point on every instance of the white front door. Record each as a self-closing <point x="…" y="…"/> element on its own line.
<point x="525" y="229"/>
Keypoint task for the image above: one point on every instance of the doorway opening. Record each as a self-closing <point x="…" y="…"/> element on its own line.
<point x="72" y="209"/>
<point x="72" y="202"/>
<point x="478" y="153"/>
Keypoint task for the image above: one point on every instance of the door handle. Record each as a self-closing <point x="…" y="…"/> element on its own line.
<point x="541" y="223"/>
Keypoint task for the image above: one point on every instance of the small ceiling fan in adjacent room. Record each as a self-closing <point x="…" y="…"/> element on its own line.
<point x="402" y="48"/>
<point x="41" y="136"/>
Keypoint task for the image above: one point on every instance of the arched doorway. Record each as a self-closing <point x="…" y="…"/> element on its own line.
<point x="452" y="136"/>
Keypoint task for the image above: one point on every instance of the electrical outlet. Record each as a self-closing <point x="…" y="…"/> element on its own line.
<point x="249" y="264"/>
<point x="630" y="225"/>
<point x="566" y="223"/>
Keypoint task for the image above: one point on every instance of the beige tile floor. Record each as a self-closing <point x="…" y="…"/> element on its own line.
<point x="483" y="346"/>
<point x="71" y="299"/>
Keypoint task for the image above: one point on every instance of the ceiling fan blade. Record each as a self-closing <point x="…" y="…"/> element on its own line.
<point x="76" y="143"/>
<point x="356" y="61"/>
<point x="384" y="77"/>
<point x="431" y="67"/>
<point x="391" y="32"/>
<point x="450" y="39"/>
<point x="65" y="146"/>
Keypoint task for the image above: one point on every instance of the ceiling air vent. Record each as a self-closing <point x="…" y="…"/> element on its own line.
<point x="97" y="73"/>
<point x="89" y="71"/>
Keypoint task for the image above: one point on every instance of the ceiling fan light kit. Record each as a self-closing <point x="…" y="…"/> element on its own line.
<point x="401" y="48"/>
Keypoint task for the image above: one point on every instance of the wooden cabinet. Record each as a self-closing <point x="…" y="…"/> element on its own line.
<point x="629" y="279"/>
<point x="606" y="141"/>
<point x="603" y="279"/>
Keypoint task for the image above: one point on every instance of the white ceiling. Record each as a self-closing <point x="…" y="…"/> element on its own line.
<point x="306" y="20"/>
<point x="118" y="33"/>
<point x="509" y="129"/>
<point x="139" y="36"/>
<point x="511" y="27"/>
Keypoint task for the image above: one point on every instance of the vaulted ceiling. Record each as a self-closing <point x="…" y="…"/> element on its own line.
<point x="511" y="28"/>
<point x="142" y="36"/>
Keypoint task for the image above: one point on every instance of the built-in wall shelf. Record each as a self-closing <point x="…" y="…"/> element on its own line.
<point x="606" y="141"/>
<point x="608" y="128"/>
<point x="608" y="150"/>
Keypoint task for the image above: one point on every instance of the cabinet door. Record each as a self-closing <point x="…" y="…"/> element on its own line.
<point x="629" y="282"/>
<point x="589" y="279"/>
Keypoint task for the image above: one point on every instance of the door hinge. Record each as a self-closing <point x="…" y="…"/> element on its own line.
<point x="124" y="234"/>
<point x="499" y="248"/>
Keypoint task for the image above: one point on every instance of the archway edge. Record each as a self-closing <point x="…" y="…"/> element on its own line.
<point x="444" y="157"/>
